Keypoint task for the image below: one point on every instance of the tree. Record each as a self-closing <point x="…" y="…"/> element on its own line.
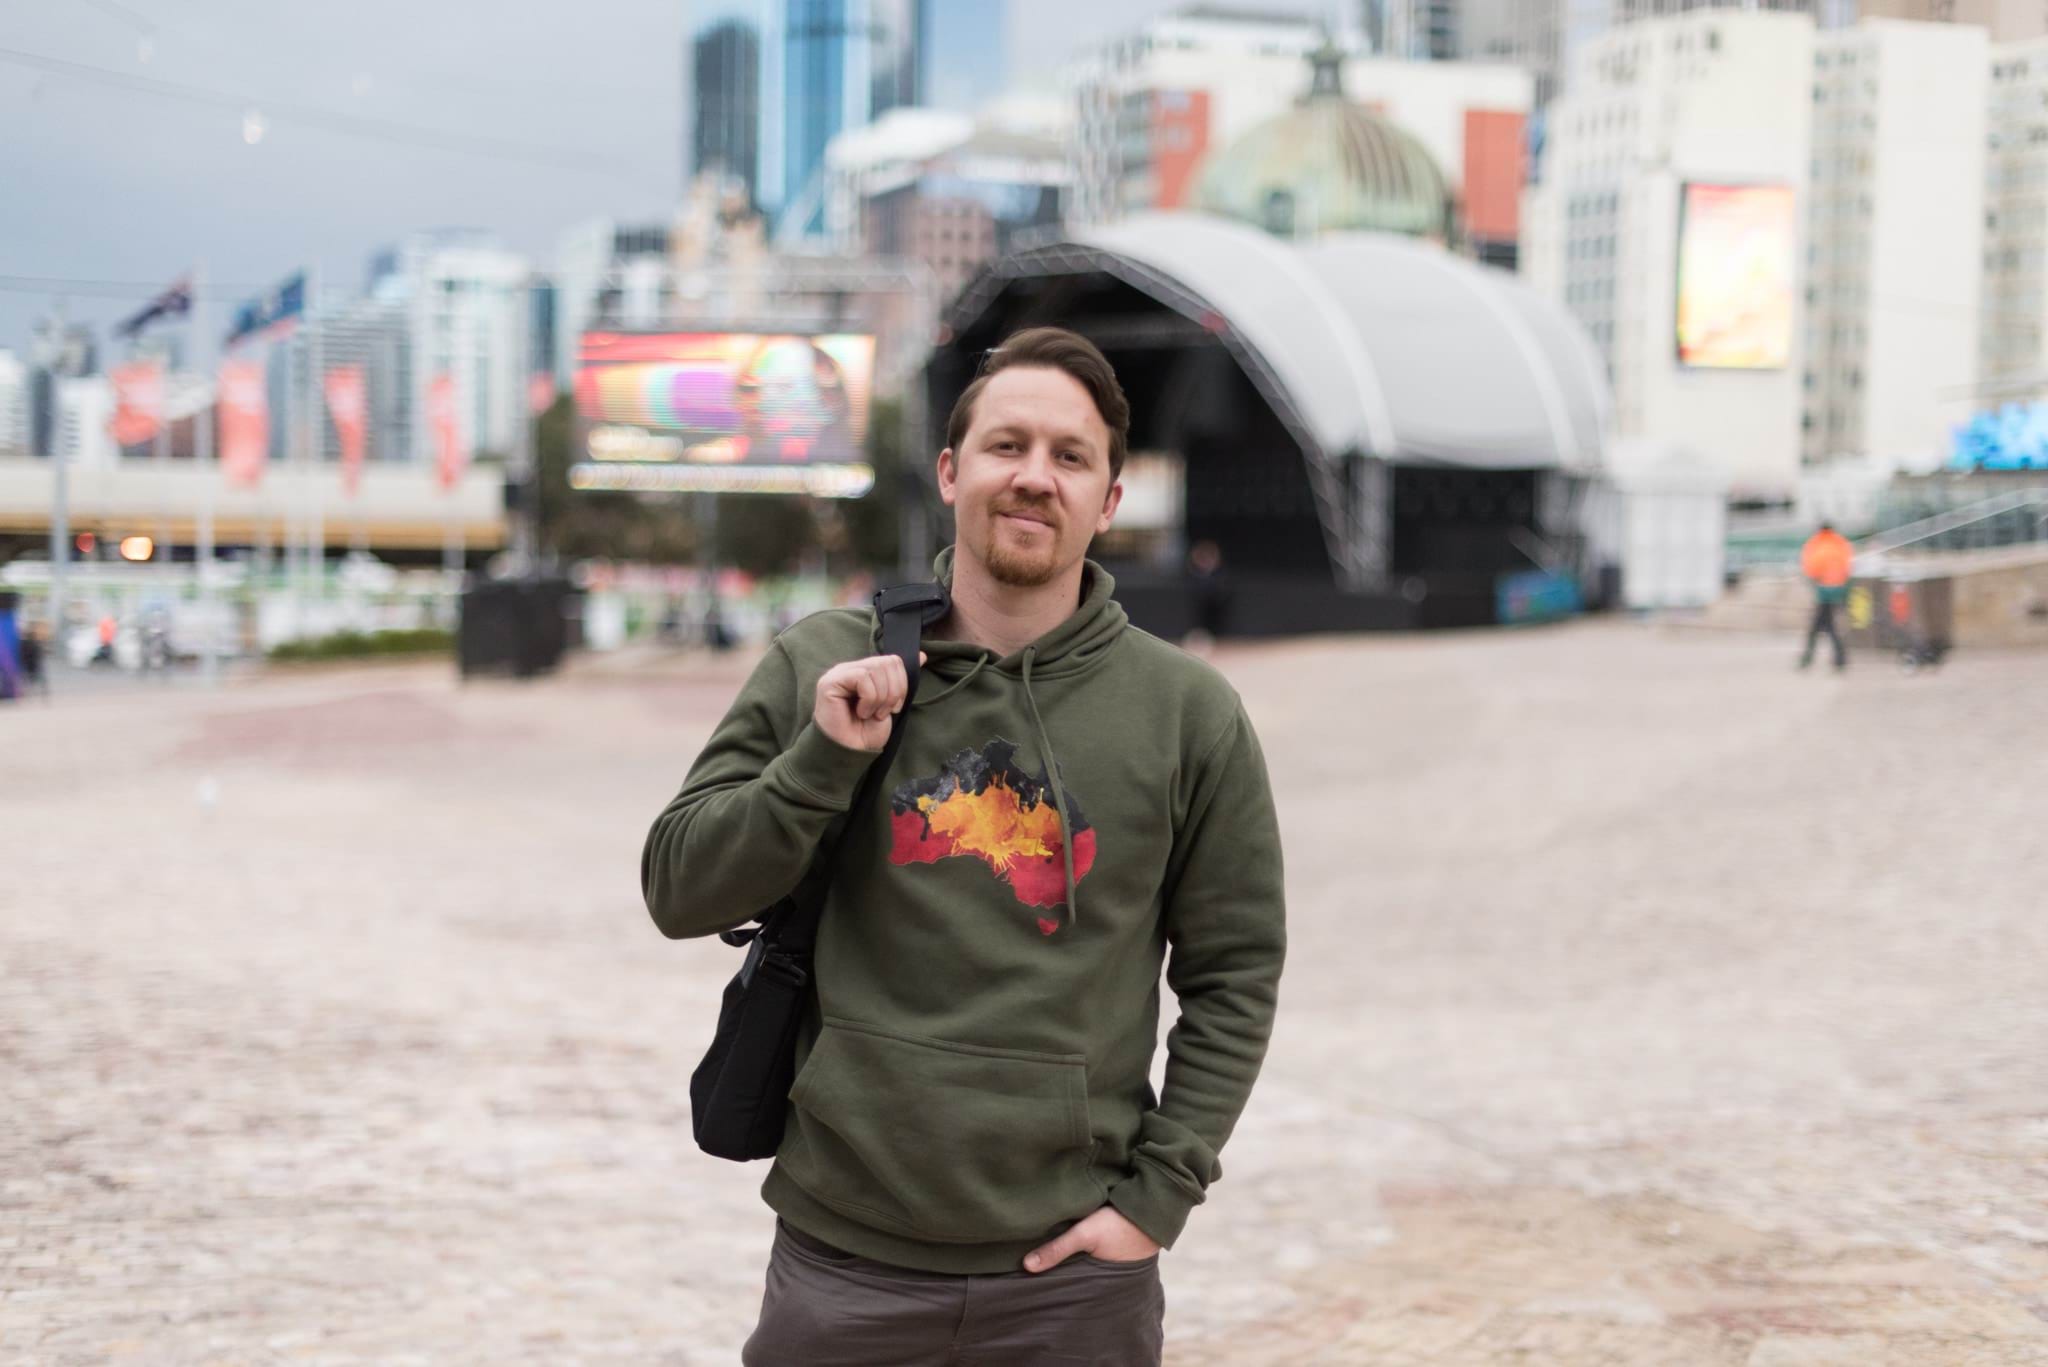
<point x="874" y="521"/>
<point x="764" y="534"/>
<point x="576" y="524"/>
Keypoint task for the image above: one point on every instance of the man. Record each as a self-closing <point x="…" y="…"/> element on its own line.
<point x="975" y="1167"/>
<point x="1825" y="561"/>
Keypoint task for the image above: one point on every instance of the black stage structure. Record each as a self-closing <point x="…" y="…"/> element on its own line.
<point x="1245" y="364"/>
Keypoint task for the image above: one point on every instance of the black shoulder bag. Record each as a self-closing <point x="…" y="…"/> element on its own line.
<point x="740" y="1093"/>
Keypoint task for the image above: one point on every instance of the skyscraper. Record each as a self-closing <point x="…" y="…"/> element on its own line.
<point x="844" y="62"/>
<point x="772" y="81"/>
<point x="725" y="97"/>
<point x="732" y="95"/>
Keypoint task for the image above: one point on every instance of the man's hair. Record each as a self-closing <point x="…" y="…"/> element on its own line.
<point x="1052" y="349"/>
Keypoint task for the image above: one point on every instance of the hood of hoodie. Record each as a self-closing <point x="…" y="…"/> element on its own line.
<point x="1074" y="646"/>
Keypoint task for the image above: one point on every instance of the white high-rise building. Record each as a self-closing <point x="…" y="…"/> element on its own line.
<point x="1896" y="234"/>
<point x="2012" y="361"/>
<point x="85" y="409"/>
<point x="469" y="315"/>
<point x="1148" y="105"/>
<point x="2007" y="21"/>
<point x="13" y="405"/>
<point x="1697" y="126"/>
<point x="1150" y="108"/>
<point x="373" y="334"/>
<point x="1546" y="36"/>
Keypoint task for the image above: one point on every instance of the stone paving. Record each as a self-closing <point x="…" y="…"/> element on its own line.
<point x="1648" y="1004"/>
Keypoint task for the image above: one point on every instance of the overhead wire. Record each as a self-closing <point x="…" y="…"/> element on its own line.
<point x="114" y="289"/>
<point x="311" y="116"/>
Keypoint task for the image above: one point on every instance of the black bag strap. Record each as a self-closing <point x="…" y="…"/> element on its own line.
<point x="905" y="611"/>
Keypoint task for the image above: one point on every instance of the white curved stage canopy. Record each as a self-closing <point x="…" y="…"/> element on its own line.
<point x="1383" y="345"/>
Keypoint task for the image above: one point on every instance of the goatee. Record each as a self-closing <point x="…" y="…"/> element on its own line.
<point x="1020" y="571"/>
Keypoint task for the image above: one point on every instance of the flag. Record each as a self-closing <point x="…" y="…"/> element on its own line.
<point x="281" y="305"/>
<point x="244" y="422"/>
<point x="175" y="302"/>
<point x="540" y="392"/>
<point x="346" y="406"/>
<point x="452" y="458"/>
<point x="138" y="402"/>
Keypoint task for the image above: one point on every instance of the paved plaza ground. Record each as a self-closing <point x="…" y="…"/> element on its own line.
<point x="1648" y="1004"/>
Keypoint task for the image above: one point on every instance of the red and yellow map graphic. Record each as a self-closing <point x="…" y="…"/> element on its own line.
<point x="981" y="805"/>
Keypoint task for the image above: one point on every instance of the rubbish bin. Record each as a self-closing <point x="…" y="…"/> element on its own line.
<point x="514" y="626"/>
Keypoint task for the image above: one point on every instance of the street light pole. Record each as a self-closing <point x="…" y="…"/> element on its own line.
<point x="206" y="460"/>
<point x="60" y="512"/>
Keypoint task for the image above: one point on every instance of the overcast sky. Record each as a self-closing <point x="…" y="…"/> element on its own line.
<point x="109" y="184"/>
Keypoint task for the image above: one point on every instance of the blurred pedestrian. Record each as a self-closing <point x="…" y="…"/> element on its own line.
<point x="1826" y="561"/>
<point x="33" y="678"/>
<point x="717" y="634"/>
<point x="1209" y="592"/>
<point x="975" y="1166"/>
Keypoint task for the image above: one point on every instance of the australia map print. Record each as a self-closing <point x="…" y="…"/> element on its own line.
<point x="981" y="805"/>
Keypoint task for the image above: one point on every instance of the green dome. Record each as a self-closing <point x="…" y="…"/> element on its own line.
<point x="1329" y="165"/>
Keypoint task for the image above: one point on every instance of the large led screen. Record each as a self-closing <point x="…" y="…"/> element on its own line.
<point x="1736" y="247"/>
<point x="724" y="412"/>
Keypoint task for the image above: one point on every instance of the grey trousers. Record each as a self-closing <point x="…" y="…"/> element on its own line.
<point x="826" y="1308"/>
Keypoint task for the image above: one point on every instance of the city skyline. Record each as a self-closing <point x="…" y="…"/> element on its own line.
<point x="450" y="132"/>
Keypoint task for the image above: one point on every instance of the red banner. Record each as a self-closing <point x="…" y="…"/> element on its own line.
<point x="138" y="402"/>
<point x="347" y="407"/>
<point x="244" y="422"/>
<point x="452" y="458"/>
<point x="540" y="393"/>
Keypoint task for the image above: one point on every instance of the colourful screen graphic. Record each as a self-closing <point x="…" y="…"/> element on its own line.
<point x="724" y="398"/>
<point x="1735" y="263"/>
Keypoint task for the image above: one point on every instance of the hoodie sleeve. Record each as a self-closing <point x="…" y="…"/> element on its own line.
<point x="752" y="811"/>
<point x="1227" y="935"/>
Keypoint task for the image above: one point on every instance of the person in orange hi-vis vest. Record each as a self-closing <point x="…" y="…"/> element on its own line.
<point x="1826" y="561"/>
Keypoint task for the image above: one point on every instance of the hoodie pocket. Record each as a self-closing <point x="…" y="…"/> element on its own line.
<point x="951" y="1142"/>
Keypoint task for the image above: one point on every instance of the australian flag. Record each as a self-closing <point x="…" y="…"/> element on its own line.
<point x="175" y="302"/>
<point x="279" y="305"/>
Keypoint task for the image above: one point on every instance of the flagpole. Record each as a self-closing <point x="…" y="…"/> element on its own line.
<point x="522" y="431"/>
<point x="160" y="458"/>
<point x="295" y="486"/>
<point x="317" y="533"/>
<point x="60" y="522"/>
<point x="205" y="459"/>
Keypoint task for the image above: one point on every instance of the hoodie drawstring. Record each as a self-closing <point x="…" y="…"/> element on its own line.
<point x="1059" y="796"/>
<point x="960" y="682"/>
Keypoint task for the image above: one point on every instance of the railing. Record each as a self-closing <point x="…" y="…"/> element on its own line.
<point x="1541" y="553"/>
<point x="2011" y="519"/>
<point x="2017" y="518"/>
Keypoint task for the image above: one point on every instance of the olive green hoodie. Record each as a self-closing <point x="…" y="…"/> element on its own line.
<point x="976" y="1076"/>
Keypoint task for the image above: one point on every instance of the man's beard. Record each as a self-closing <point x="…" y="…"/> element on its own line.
<point x="1026" y="569"/>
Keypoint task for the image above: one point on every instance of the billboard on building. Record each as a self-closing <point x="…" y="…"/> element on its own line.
<point x="1736" y="246"/>
<point x="737" y="412"/>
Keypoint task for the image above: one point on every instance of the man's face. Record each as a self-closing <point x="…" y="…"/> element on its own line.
<point x="1029" y="485"/>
